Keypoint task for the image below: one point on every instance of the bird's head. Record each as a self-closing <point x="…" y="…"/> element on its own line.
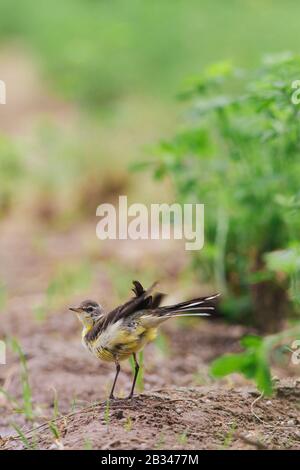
<point x="88" y="312"/>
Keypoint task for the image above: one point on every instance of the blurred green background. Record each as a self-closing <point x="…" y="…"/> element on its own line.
<point x="91" y="84"/>
<point x="97" y="52"/>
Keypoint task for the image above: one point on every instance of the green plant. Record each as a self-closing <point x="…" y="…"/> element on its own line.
<point x="128" y="424"/>
<point x="55" y="405"/>
<point x="238" y="154"/>
<point x="183" y="438"/>
<point x="27" y="402"/>
<point x="87" y="444"/>
<point x="107" y="413"/>
<point x="3" y="296"/>
<point x="54" y="430"/>
<point x="52" y="424"/>
<point x="73" y="404"/>
<point x="27" y="444"/>
<point x="229" y="436"/>
<point x="255" y="362"/>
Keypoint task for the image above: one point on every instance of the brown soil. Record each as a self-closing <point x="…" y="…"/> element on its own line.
<point x="179" y="418"/>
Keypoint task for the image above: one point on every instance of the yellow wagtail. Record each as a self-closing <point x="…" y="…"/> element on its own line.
<point x="117" y="335"/>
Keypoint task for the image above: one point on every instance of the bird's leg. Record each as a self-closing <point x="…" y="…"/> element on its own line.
<point x="118" y="368"/>
<point x="136" y="371"/>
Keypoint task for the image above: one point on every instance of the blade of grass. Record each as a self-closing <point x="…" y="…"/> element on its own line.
<point x="28" y="445"/>
<point x="26" y="389"/>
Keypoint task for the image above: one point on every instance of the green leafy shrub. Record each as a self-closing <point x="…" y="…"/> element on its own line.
<point x="239" y="155"/>
<point x="255" y="362"/>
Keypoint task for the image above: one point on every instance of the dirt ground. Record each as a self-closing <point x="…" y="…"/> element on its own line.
<point x="182" y="407"/>
<point x="204" y="417"/>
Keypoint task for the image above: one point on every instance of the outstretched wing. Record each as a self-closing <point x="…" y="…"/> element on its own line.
<point x="142" y="301"/>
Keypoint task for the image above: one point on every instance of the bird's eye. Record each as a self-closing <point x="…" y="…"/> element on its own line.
<point x="90" y="309"/>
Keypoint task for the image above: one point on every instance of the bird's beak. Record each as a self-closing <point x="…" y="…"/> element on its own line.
<point x="75" y="309"/>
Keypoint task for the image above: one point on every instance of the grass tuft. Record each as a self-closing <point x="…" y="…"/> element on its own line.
<point x="27" y="405"/>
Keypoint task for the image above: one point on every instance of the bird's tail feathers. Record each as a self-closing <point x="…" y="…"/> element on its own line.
<point x="194" y="306"/>
<point x="197" y="307"/>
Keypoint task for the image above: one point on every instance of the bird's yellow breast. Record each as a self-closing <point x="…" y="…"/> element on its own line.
<point x="118" y="343"/>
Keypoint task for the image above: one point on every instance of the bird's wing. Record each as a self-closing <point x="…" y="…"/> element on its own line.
<point x="142" y="301"/>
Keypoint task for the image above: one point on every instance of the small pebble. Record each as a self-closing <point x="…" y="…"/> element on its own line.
<point x="119" y="414"/>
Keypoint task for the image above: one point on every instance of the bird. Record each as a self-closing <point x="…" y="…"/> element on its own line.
<point x="118" y="334"/>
